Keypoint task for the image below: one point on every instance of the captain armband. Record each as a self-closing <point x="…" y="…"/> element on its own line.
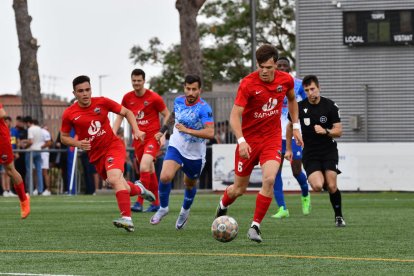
<point x="164" y="129"/>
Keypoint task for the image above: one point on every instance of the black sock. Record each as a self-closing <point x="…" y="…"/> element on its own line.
<point x="336" y="202"/>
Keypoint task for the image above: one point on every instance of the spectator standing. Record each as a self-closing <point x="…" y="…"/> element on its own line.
<point x="34" y="143"/>
<point x="45" y="155"/>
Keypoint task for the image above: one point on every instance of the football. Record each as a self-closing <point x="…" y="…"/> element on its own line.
<point x="224" y="229"/>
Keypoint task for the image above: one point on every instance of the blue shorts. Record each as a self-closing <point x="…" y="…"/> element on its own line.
<point x="191" y="168"/>
<point x="296" y="150"/>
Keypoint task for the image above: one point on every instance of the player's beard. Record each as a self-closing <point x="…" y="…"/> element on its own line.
<point x="191" y="99"/>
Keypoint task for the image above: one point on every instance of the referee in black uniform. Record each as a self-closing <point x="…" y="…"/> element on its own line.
<point x="320" y="123"/>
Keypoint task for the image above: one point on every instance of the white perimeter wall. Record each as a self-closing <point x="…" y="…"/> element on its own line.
<point x="364" y="166"/>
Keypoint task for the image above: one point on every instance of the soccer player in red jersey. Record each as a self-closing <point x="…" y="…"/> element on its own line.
<point x="146" y="106"/>
<point x="89" y="117"/>
<point x="6" y="159"/>
<point x="255" y="120"/>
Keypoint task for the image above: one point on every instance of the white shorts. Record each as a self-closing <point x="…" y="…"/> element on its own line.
<point x="45" y="160"/>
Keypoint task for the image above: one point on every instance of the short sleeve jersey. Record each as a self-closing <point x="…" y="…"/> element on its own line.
<point x="195" y="117"/>
<point x="262" y="104"/>
<point x="325" y="113"/>
<point x="300" y="94"/>
<point x="146" y="110"/>
<point x="4" y="130"/>
<point x="92" y="123"/>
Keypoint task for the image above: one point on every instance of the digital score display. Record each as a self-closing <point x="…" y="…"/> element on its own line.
<point x="391" y="27"/>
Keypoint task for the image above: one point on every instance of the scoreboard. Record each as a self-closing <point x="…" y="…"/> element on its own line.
<point x="380" y="27"/>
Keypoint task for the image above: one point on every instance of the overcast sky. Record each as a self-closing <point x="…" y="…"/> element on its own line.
<point x="91" y="37"/>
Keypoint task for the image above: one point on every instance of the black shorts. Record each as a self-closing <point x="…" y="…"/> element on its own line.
<point x="314" y="165"/>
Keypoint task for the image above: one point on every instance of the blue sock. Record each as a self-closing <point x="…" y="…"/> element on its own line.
<point x="164" y="193"/>
<point x="278" y="191"/>
<point x="189" y="197"/>
<point x="301" y="178"/>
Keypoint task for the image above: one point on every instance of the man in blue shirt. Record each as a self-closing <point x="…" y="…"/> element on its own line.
<point x="283" y="64"/>
<point x="194" y="124"/>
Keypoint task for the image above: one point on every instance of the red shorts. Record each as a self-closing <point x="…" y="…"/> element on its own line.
<point x="6" y="151"/>
<point x="113" y="158"/>
<point x="149" y="146"/>
<point x="261" y="153"/>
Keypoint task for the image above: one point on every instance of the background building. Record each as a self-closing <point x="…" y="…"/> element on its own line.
<point x="363" y="54"/>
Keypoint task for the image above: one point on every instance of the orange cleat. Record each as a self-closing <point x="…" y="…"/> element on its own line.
<point x="25" y="208"/>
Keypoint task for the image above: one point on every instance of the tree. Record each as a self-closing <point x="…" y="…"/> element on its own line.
<point x="190" y="41"/>
<point x="28" y="68"/>
<point x="225" y="41"/>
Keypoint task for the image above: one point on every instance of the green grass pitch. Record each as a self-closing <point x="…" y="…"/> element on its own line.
<point x="75" y="236"/>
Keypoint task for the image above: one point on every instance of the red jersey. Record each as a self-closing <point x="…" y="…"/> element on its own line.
<point x="262" y="104"/>
<point x="4" y="130"/>
<point x="146" y="110"/>
<point x="92" y="123"/>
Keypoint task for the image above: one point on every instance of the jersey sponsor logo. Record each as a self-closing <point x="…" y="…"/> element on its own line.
<point x="140" y="115"/>
<point x="94" y="127"/>
<point x="323" y="119"/>
<point x="97" y="110"/>
<point x="271" y="104"/>
<point x="77" y="117"/>
<point x="306" y="121"/>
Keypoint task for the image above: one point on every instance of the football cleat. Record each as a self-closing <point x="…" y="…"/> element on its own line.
<point x="254" y="234"/>
<point x="25" y="207"/>
<point x="152" y="208"/>
<point x="340" y="222"/>
<point x="282" y="213"/>
<point x="220" y="212"/>
<point x="306" y="204"/>
<point x="124" y="223"/>
<point x="145" y="193"/>
<point x="182" y="219"/>
<point x="137" y="207"/>
<point x="157" y="217"/>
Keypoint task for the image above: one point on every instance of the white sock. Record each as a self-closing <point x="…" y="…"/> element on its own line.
<point x="222" y="206"/>
<point x="127" y="218"/>
<point x="255" y="223"/>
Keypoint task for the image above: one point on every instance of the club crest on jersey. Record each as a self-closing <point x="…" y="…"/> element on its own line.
<point x="97" y="110"/>
<point x="4" y="157"/>
<point x="279" y="88"/>
<point x="146" y="103"/>
<point x="323" y="119"/>
<point x="150" y="147"/>
<point x="306" y="121"/>
<point x="110" y="160"/>
<point x="305" y="110"/>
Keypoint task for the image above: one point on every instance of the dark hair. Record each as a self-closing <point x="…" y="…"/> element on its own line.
<point x="266" y="52"/>
<point x="35" y="122"/>
<point x="8" y="118"/>
<point x="138" y="72"/>
<point x="28" y="119"/>
<point x="79" y="80"/>
<point x="307" y="80"/>
<point x="284" y="58"/>
<point x="192" y="79"/>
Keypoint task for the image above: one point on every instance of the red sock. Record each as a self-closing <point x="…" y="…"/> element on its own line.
<point x="145" y="178"/>
<point x="226" y="200"/>
<point x="262" y="205"/>
<point x="140" y="200"/>
<point x="124" y="205"/>
<point x="154" y="189"/>
<point x="19" y="188"/>
<point x="135" y="190"/>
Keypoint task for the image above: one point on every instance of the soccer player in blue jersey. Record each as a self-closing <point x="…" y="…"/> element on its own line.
<point x="187" y="148"/>
<point x="283" y="64"/>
